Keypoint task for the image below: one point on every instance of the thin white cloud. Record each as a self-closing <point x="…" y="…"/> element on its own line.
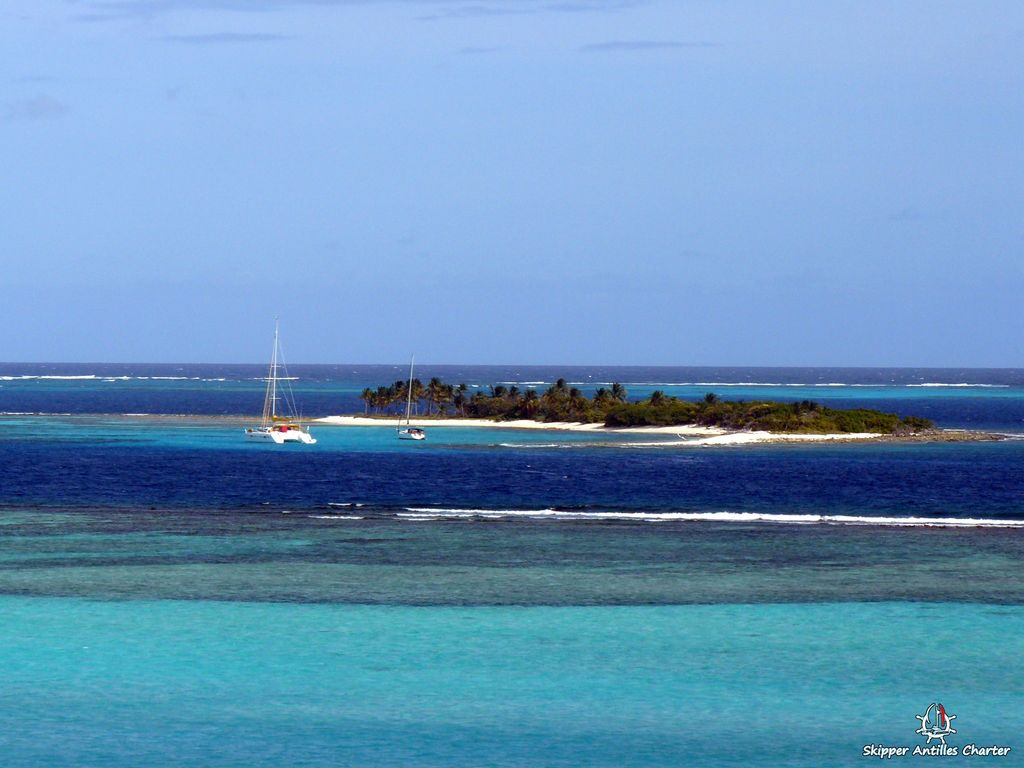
<point x="645" y="45"/>
<point x="472" y="50"/>
<point x="35" y="108"/>
<point x="221" y="38"/>
<point x="525" y="7"/>
<point x="101" y="10"/>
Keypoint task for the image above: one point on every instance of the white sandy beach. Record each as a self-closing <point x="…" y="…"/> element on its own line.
<point x="742" y="438"/>
<point x="691" y="433"/>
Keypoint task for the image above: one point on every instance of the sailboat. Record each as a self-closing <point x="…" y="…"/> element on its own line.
<point x="277" y="428"/>
<point x="409" y="432"/>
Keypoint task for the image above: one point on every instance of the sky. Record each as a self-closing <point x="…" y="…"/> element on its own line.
<point x="677" y="182"/>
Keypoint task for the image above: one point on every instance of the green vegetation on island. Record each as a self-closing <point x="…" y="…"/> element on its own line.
<point x="801" y="417"/>
<point x="563" y="403"/>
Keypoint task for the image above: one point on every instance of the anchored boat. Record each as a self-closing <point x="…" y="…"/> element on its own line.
<point x="409" y="432"/>
<point x="273" y="427"/>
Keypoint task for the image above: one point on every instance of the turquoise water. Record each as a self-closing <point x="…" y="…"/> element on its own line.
<point x="171" y="594"/>
<point x="221" y="434"/>
<point x="255" y="684"/>
<point x="243" y="638"/>
<point x="978" y="398"/>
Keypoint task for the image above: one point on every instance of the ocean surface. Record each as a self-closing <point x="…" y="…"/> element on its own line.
<point x="173" y="595"/>
<point x="974" y="397"/>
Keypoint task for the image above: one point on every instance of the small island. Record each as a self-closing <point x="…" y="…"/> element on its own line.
<point x="611" y="408"/>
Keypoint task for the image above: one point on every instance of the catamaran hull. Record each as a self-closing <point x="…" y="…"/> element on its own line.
<point x="280" y="438"/>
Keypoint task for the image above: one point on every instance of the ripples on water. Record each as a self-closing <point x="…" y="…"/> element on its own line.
<point x="173" y="595"/>
<point x="982" y="398"/>
<point x="374" y="556"/>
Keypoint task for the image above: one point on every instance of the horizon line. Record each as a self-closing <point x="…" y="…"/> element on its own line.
<point x="536" y="365"/>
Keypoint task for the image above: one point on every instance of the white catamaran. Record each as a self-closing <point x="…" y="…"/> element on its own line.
<point x="409" y="432"/>
<point x="273" y="427"/>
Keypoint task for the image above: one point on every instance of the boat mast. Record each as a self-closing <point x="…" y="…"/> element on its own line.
<point x="408" y="401"/>
<point x="273" y="373"/>
<point x="270" y="401"/>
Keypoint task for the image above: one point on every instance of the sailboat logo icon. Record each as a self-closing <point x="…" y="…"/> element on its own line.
<point x="936" y="723"/>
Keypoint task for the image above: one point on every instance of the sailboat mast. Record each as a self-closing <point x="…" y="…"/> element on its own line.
<point x="270" y="399"/>
<point x="273" y="374"/>
<point x="408" y="402"/>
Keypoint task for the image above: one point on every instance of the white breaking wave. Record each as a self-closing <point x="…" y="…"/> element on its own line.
<point x="680" y="441"/>
<point x="540" y="445"/>
<point x="963" y="384"/>
<point x="93" y="376"/>
<point x="334" y="517"/>
<point x="431" y="512"/>
<point x="716" y="517"/>
<point x="57" y="378"/>
<point x="33" y="413"/>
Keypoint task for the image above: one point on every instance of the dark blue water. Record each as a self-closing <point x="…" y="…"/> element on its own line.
<point x="203" y="463"/>
<point x="975" y="398"/>
<point x="968" y="480"/>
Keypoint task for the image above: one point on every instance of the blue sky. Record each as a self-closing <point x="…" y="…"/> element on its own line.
<point x="521" y="181"/>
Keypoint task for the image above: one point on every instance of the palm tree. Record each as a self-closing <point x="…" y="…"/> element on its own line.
<point x="447" y="396"/>
<point x="710" y="398"/>
<point x="459" y="398"/>
<point x="383" y="398"/>
<point x="577" y="404"/>
<point x="531" y="403"/>
<point x="657" y="397"/>
<point x="619" y="392"/>
<point x="434" y="392"/>
<point x="417" y="394"/>
<point x="553" y="394"/>
<point x="366" y="396"/>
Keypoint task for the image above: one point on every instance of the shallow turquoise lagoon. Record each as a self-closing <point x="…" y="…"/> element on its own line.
<point x="205" y="433"/>
<point x="257" y="684"/>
